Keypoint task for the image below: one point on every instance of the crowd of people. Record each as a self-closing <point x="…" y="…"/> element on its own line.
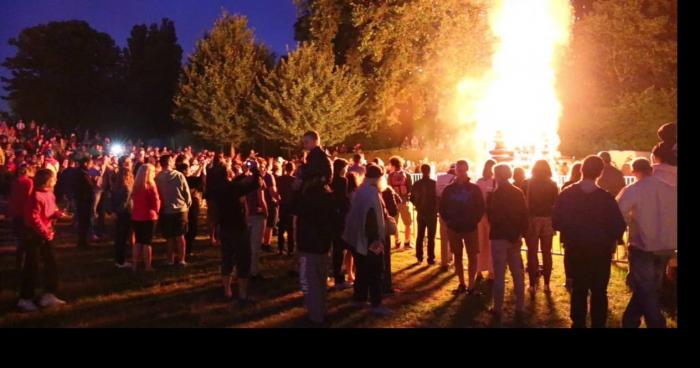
<point x="341" y="218"/>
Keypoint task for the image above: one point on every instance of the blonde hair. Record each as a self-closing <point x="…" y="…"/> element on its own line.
<point x="145" y="177"/>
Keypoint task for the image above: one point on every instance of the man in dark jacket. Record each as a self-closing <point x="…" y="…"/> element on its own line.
<point x="424" y="199"/>
<point x="317" y="167"/>
<point x="590" y="220"/>
<point x="462" y="207"/>
<point x="507" y="214"/>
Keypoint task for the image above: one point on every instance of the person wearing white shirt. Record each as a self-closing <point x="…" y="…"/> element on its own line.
<point x="650" y="209"/>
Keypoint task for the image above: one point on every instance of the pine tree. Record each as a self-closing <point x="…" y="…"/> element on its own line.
<point x="308" y="91"/>
<point x="218" y="81"/>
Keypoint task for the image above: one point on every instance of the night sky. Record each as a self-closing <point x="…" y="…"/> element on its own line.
<point x="273" y="20"/>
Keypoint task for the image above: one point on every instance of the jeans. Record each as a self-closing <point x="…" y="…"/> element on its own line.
<point x="428" y="222"/>
<point x="192" y="219"/>
<point x="484" y="261"/>
<point x="36" y="248"/>
<point x="313" y="271"/>
<point x="121" y="236"/>
<point x="505" y="253"/>
<point x="338" y="255"/>
<point x="445" y="250"/>
<point x="646" y="272"/>
<point x="590" y="268"/>
<point x="256" y="227"/>
<point x="539" y="236"/>
<point x="368" y="278"/>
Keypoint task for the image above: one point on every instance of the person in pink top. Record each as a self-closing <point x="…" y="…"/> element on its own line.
<point x="144" y="215"/>
<point x="40" y="212"/>
<point x="20" y="191"/>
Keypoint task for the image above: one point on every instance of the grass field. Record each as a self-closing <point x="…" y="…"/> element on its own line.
<point x="99" y="295"/>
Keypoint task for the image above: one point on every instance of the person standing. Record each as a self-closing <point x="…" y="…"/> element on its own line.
<point x="40" y="212"/>
<point x="574" y="177"/>
<point x="650" y="207"/>
<point x="285" y="233"/>
<point x="83" y="195"/>
<point x="144" y="214"/>
<point x="487" y="184"/>
<point x="357" y="167"/>
<point x="314" y="212"/>
<point x="341" y="205"/>
<point x="365" y="230"/>
<point x="121" y="189"/>
<point x="174" y="193"/>
<point x="541" y="194"/>
<point x="462" y="207"/>
<point x="272" y="200"/>
<point x="400" y="181"/>
<point x="508" y="217"/>
<point x="257" y="216"/>
<point x="611" y="180"/>
<point x="445" y="250"/>
<point x="20" y="193"/>
<point x="424" y="198"/>
<point x="216" y="179"/>
<point x="234" y="232"/>
<point x="590" y="220"/>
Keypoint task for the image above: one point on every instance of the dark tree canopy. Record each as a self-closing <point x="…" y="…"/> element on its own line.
<point x="64" y="74"/>
<point x="152" y="59"/>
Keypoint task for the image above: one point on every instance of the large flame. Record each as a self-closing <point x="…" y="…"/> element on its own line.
<point x="517" y="99"/>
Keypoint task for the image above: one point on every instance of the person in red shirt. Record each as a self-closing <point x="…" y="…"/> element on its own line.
<point x="40" y="212"/>
<point x="144" y="214"/>
<point x="20" y="191"/>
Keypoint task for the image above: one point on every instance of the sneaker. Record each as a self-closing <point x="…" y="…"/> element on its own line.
<point x="547" y="290"/>
<point x="50" y="300"/>
<point x="407" y="245"/>
<point x="398" y="245"/>
<point x="431" y="262"/>
<point x="461" y="289"/>
<point x="26" y="305"/>
<point x="381" y="311"/>
<point x="123" y="265"/>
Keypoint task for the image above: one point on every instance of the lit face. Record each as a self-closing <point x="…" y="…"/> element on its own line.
<point x="462" y="170"/>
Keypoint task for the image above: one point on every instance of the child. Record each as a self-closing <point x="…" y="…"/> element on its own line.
<point x="40" y="212"/>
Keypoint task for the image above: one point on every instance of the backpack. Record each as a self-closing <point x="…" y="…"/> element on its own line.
<point x="399" y="181"/>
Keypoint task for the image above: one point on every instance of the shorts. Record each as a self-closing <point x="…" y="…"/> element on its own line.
<point x="458" y="241"/>
<point x="235" y="251"/>
<point x="173" y="224"/>
<point x="405" y="214"/>
<point x="212" y="212"/>
<point x="144" y="230"/>
<point x="272" y="216"/>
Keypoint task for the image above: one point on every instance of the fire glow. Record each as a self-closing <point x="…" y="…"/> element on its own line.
<point x="517" y="99"/>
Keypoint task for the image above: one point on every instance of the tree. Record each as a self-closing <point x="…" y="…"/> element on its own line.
<point x="153" y="63"/>
<point x="215" y="89"/>
<point x="619" y="83"/>
<point x="414" y="53"/>
<point x="64" y="74"/>
<point x="308" y="91"/>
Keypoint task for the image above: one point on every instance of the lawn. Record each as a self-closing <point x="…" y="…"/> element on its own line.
<point x="100" y="295"/>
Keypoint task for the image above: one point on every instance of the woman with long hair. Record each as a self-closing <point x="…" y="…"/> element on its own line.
<point x="487" y="184"/>
<point x="541" y="195"/>
<point x="121" y="205"/>
<point x="574" y="175"/>
<point x="146" y="204"/>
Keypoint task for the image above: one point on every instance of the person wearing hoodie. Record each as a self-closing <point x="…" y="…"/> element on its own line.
<point x="40" y="212"/>
<point x="650" y="207"/>
<point x="462" y="207"/>
<point x="590" y="220"/>
<point x="175" y="197"/>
